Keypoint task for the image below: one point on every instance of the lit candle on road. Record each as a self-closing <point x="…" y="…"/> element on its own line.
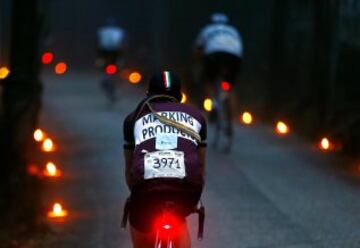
<point x="4" y="72"/>
<point x="183" y="98"/>
<point x="208" y="104"/>
<point x="246" y="118"/>
<point x="39" y="135"/>
<point x="282" y="128"/>
<point x="48" y="145"/>
<point x="325" y="144"/>
<point x="57" y="211"/>
<point x="51" y="170"/>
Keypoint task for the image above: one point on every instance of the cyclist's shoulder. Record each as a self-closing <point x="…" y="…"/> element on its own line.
<point x="179" y="107"/>
<point x="208" y="28"/>
<point x="129" y="119"/>
<point x="191" y="110"/>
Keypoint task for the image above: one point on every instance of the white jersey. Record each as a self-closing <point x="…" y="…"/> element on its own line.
<point x="110" y="37"/>
<point x="220" y="38"/>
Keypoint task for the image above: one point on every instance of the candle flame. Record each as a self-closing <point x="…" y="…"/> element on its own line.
<point x="282" y="128"/>
<point x="57" y="211"/>
<point x="247" y="118"/>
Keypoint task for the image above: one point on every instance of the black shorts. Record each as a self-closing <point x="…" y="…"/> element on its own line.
<point x="146" y="205"/>
<point x="109" y="56"/>
<point x="221" y="64"/>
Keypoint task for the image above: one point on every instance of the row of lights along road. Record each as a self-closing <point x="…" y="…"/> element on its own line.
<point x="281" y="128"/>
<point x="50" y="170"/>
<point x="47" y="144"/>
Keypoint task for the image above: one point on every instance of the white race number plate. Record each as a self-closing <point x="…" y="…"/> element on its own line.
<point x="166" y="163"/>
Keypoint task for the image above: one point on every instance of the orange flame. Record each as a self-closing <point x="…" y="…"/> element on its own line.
<point x="208" y="104"/>
<point x="51" y="170"/>
<point x="183" y="98"/>
<point x="39" y="135"/>
<point x="57" y="211"/>
<point x="325" y="144"/>
<point x="48" y="145"/>
<point x="4" y="72"/>
<point x="246" y="118"/>
<point x="282" y="128"/>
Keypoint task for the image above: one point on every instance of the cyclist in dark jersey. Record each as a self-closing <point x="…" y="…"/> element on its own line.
<point x="163" y="162"/>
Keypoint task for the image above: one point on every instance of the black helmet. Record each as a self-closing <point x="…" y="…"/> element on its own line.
<point x="165" y="83"/>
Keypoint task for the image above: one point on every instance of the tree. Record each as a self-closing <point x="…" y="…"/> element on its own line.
<point x="325" y="50"/>
<point x="21" y="101"/>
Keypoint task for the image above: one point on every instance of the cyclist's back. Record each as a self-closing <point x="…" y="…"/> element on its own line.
<point x="110" y="42"/>
<point x="163" y="162"/>
<point x="219" y="37"/>
<point x="222" y="48"/>
<point x="110" y="37"/>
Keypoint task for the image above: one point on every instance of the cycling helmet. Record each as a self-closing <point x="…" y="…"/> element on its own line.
<point x="219" y="18"/>
<point x="165" y="83"/>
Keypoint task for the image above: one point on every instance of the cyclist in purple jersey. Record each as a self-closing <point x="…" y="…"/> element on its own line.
<point x="165" y="147"/>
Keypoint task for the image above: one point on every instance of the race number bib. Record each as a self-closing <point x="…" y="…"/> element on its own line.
<point x="169" y="164"/>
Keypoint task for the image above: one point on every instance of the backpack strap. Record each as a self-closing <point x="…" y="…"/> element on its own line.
<point x="172" y="123"/>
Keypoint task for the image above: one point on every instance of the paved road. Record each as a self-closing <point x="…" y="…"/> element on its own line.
<point x="270" y="192"/>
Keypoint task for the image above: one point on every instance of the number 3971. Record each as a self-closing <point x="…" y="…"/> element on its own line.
<point x="166" y="162"/>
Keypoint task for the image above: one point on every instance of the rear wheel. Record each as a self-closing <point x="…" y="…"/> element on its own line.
<point x="222" y="115"/>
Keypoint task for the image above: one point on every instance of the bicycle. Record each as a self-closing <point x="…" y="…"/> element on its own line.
<point x="167" y="225"/>
<point x="108" y="83"/>
<point x="109" y="62"/>
<point x="221" y="114"/>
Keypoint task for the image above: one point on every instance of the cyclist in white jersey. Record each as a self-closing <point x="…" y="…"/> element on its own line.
<point x="110" y="42"/>
<point x="221" y="46"/>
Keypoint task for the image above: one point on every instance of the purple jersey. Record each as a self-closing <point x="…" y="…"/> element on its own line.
<point x="161" y="150"/>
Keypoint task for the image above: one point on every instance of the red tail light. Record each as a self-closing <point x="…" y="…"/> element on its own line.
<point x="225" y="86"/>
<point x="47" y="58"/>
<point x="111" y="69"/>
<point x="167" y="225"/>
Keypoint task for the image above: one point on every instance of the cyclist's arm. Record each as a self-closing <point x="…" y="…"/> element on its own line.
<point x="202" y="147"/>
<point x="129" y="145"/>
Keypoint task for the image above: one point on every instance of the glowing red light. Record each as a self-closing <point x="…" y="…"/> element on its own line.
<point x="225" y="86"/>
<point x="168" y="225"/>
<point x="47" y="58"/>
<point x="111" y="69"/>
